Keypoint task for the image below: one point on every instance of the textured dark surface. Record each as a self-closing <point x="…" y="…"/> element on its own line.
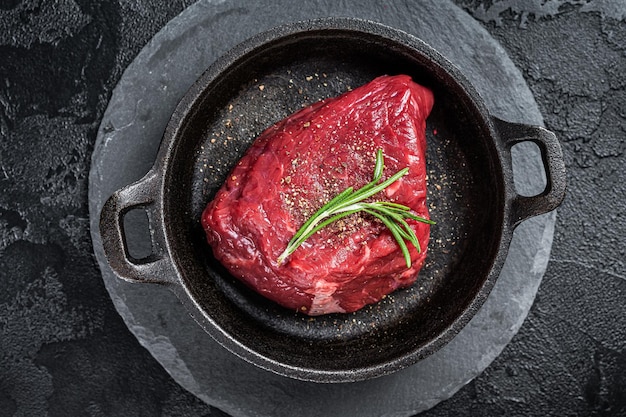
<point x="64" y="349"/>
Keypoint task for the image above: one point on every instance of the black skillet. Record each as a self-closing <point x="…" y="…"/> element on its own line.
<point x="268" y="77"/>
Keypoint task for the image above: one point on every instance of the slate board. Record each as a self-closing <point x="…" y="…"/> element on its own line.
<point x="129" y="137"/>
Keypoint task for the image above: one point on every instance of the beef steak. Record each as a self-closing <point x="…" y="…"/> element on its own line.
<point x="300" y="163"/>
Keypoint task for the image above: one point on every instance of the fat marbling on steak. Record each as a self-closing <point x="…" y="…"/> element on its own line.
<point x="300" y="163"/>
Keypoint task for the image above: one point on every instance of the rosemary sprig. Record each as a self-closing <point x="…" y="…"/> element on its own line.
<point x="349" y="201"/>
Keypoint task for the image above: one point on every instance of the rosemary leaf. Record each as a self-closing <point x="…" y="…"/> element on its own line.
<point x="379" y="166"/>
<point x="393" y="228"/>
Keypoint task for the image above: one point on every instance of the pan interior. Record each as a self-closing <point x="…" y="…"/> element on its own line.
<point x="270" y="83"/>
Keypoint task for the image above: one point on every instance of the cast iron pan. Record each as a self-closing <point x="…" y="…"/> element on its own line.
<point x="471" y="196"/>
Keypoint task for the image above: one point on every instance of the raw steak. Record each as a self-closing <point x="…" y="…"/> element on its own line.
<point x="300" y="163"/>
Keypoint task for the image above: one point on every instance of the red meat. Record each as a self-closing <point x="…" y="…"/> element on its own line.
<point x="300" y="163"/>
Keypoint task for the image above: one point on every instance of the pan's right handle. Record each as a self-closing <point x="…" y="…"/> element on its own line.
<point x="157" y="267"/>
<point x="552" y="157"/>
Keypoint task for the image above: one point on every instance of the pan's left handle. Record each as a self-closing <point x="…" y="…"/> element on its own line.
<point x="157" y="267"/>
<point x="523" y="207"/>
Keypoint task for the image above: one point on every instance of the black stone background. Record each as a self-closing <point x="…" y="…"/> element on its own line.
<point x="64" y="351"/>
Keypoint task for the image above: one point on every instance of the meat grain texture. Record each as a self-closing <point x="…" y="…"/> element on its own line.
<point x="300" y="163"/>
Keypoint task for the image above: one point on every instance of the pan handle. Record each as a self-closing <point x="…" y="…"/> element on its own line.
<point x="552" y="196"/>
<point x="155" y="268"/>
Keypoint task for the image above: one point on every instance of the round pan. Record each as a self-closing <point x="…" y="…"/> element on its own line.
<point x="471" y="197"/>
